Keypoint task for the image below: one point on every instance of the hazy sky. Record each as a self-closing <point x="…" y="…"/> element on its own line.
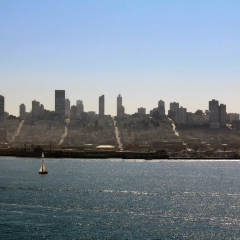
<point x="183" y="51"/>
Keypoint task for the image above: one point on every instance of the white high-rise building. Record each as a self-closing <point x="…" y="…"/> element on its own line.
<point x="1" y="108"/>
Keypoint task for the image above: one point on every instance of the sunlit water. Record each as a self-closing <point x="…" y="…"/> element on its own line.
<point x="117" y="199"/>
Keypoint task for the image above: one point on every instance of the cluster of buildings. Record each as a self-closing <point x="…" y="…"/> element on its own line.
<point x="70" y="126"/>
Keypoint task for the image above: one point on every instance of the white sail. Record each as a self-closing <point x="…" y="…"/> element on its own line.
<point x="42" y="168"/>
<point x="42" y="155"/>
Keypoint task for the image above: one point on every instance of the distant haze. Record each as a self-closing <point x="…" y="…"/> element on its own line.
<point x="183" y="51"/>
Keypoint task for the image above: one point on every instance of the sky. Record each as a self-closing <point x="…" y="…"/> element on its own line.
<point x="182" y="51"/>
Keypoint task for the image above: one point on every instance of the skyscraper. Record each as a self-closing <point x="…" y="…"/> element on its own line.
<point x="80" y="107"/>
<point x="35" y="109"/>
<point x="120" y="108"/>
<point x="60" y="102"/>
<point x="121" y="112"/>
<point x="214" y="114"/>
<point x="141" y="111"/>
<point x="222" y="115"/>
<point x="172" y="113"/>
<point x="22" y="111"/>
<point x="101" y="106"/>
<point x="119" y="103"/>
<point x="67" y="107"/>
<point x="181" y="115"/>
<point x="73" y="112"/>
<point x="174" y="106"/>
<point x="161" y="107"/>
<point x="1" y="108"/>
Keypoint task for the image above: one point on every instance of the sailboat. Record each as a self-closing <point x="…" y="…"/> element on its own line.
<point x="42" y="169"/>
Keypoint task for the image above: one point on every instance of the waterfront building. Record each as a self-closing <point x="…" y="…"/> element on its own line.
<point x="22" y="111"/>
<point x="1" y="108"/>
<point x="181" y="115"/>
<point x="101" y="106"/>
<point x="214" y="114"/>
<point x="141" y="111"/>
<point x="67" y="108"/>
<point x="161" y="108"/>
<point x="80" y="107"/>
<point x="3" y="135"/>
<point x="60" y="102"/>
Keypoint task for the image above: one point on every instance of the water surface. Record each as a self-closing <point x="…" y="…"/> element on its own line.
<point x="119" y="199"/>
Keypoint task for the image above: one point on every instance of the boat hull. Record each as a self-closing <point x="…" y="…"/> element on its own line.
<point x="43" y="172"/>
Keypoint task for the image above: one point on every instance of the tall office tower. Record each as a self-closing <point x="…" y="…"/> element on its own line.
<point x="22" y="111"/>
<point x="41" y="110"/>
<point x="1" y="108"/>
<point x="80" y="107"/>
<point x="174" y="106"/>
<point x="161" y="107"/>
<point x="73" y="112"/>
<point x="35" y="109"/>
<point x="181" y="115"/>
<point x="60" y="102"/>
<point x="172" y="113"/>
<point x="121" y="112"/>
<point x="119" y="105"/>
<point x="101" y="106"/>
<point x="141" y="111"/>
<point x="67" y="107"/>
<point x="214" y="114"/>
<point x="222" y="115"/>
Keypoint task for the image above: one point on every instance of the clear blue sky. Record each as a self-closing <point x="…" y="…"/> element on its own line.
<point x="183" y="51"/>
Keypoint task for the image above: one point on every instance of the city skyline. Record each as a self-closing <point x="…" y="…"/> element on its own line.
<point x="80" y="107"/>
<point x="186" y="52"/>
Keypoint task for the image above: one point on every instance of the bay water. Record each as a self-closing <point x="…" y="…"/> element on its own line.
<point x="119" y="199"/>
